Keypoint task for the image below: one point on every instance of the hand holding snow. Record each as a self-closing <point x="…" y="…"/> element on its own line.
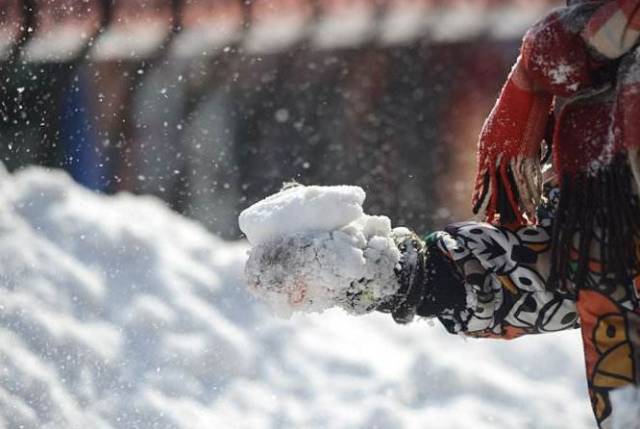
<point x="314" y="248"/>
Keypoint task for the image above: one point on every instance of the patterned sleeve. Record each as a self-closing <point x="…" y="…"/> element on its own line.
<point x="503" y="271"/>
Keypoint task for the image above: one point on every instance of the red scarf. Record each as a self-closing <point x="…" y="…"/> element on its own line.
<point x="581" y="66"/>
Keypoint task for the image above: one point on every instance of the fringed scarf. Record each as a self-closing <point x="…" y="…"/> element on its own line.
<point x="578" y="75"/>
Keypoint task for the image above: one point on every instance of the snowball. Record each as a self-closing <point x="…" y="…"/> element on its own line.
<point x="314" y="248"/>
<point x="313" y="272"/>
<point x="302" y="209"/>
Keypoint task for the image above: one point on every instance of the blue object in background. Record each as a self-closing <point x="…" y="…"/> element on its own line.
<point x="84" y="159"/>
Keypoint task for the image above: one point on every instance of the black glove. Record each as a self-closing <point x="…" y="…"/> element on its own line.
<point x="429" y="282"/>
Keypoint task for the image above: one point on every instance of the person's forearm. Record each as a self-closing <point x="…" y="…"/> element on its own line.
<point x="482" y="281"/>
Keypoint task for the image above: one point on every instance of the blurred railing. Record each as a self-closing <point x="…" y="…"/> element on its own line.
<point x="210" y="104"/>
<point x="103" y="30"/>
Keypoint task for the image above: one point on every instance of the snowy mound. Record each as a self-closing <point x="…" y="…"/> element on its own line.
<point x="117" y="313"/>
<point x="626" y="408"/>
<point x="300" y="209"/>
<point x="314" y="248"/>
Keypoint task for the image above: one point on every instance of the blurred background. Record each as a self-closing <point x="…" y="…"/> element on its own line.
<point x="213" y="104"/>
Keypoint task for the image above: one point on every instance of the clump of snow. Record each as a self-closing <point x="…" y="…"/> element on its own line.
<point x="117" y="313"/>
<point x="314" y="248"/>
<point x="315" y="272"/>
<point x="626" y="408"/>
<point x="562" y="74"/>
<point x="301" y="209"/>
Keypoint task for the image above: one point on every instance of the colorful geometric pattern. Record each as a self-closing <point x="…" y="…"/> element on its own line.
<point x="506" y="271"/>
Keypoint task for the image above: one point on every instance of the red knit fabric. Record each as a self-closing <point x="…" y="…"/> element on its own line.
<point x="627" y="115"/>
<point x="581" y="138"/>
<point x="556" y="62"/>
<point x="556" y="58"/>
<point x="515" y="127"/>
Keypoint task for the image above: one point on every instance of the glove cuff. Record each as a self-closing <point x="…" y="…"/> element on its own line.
<point x="429" y="282"/>
<point x="410" y="273"/>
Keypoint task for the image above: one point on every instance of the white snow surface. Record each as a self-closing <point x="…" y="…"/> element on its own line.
<point x="117" y="313"/>
<point x="300" y="209"/>
<point x="626" y="408"/>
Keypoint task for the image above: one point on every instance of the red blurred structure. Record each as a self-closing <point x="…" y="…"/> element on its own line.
<point x="207" y="27"/>
<point x="139" y="28"/>
<point x="211" y="104"/>
<point x="62" y="29"/>
<point x="11" y="25"/>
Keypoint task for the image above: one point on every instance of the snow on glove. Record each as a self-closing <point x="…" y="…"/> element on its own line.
<point x="412" y="276"/>
<point x="312" y="272"/>
<point x="430" y="282"/>
<point x="313" y="248"/>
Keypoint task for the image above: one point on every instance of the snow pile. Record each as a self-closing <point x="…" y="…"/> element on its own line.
<point x="105" y="308"/>
<point x="626" y="408"/>
<point x="314" y="248"/>
<point x="117" y="313"/>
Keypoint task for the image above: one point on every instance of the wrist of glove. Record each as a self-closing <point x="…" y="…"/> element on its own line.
<point x="430" y="283"/>
<point x="411" y="273"/>
<point x="396" y="273"/>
